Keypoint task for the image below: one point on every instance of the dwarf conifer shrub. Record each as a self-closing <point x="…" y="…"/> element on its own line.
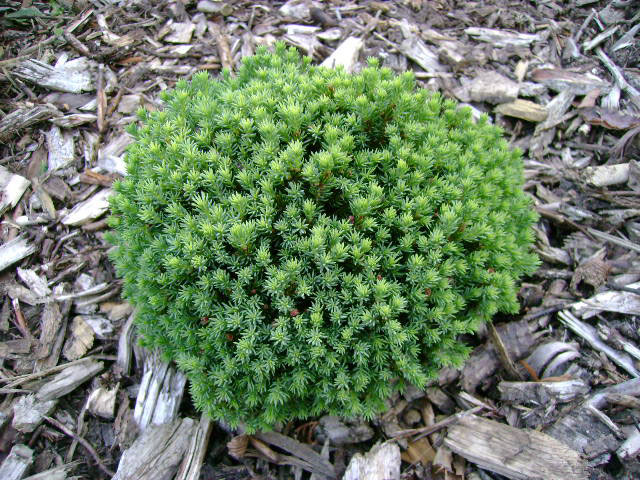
<point x="302" y="241"/>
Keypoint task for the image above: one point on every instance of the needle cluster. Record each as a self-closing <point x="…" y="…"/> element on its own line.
<point x="301" y="240"/>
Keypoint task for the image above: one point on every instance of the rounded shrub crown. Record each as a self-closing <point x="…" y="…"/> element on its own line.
<point x="302" y="240"/>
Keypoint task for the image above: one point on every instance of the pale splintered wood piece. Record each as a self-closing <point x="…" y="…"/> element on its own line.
<point x="69" y="379"/>
<point x="181" y="32"/>
<point x="74" y="76"/>
<point x="157" y="452"/>
<point x="74" y="120"/>
<point x="524" y="109"/>
<point x="102" y="402"/>
<point x="561" y="80"/>
<point x="125" y="347"/>
<point x="16" y="464"/>
<point x="542" y="392"/>
<point x="417" y="50"/>
<point x="193" y="459"/>
<point x="500" y="38"/>
<point x="611" y="301"/>
<point x="590" y="334"/>
<point x="87" y="211"/>
<point x="630" y="447"/>
<point x="515" y="453"/>
<point x="28" y="413"/>
<point x="12" y="187"/>
<point x="58" y="473"/>
<point x="80" y="341"/>
<point x="493" y="88"/>
<point x="52" y="333"/>
<point x="615" y="240"/>
<point x="36" y="283"/>
<point x="382" y="462"/>
<point x="24" y="117"/>
<point x="96" y="289"/>
<point x="630" y="387"/>
<point x="311" y="460"/>
<point x="161" y="391"/>
<point x="13" y="251"/>
<point x="605" y="175"/>
<point x="346" y="54"/>
<point x="61" y="148"/>
<point x="110" y="156"/>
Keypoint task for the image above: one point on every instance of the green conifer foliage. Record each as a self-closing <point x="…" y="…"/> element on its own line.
<point x="301" y="240"/>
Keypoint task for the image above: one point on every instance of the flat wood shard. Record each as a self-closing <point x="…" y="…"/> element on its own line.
<point x="515" y="453"/>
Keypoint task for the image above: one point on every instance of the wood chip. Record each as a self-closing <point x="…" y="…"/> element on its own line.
<point x="382" y="462"/>
<point x="589" y="333"/>
<point x="69" y="379"/>
<point x="310" y="459"/>
<point x="160" y="394"/>
<point x="195" y="455"/>
<point x="157" y="453"/>
<point x="180" y="32"/>
<point x="16" y="464"/>
<point x="12" y="187"/>
<point x="58" y="473"/>
<point x="630" y="448"/>
<point x="74" y="120"/>
<point x="80" y="340"/>
<point x="102" y="402"/>
<point x="73" y="76"/>
<point x="28" y="413"/>
<point x="417" y="50"/>
<point x="222" y="8"/>
<point x="611" y="301"/>
<point x="542" y="393"/>
<point x="61" y="148"/>
<point x="13" y="251"/>
<point x="125" y="347"/>
<point x="605" y="175"/>
<point x="524" y="109"/>
<point x="514" y="453"/>
<point x="90" y="209"/>
<point x="565" y="80"/>
<point x="346" y="54"/>
<point x="298" y="9"/>
<point x="110" y="156"/>
<point x="419" y="451"/>
<point x="493" y="88"/>
<point x="339" y="433"/>
<point x="500" y="38"/>
<point x="21" y="118"/>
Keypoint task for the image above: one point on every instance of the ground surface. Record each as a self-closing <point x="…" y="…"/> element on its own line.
<point x="563" y="80"/>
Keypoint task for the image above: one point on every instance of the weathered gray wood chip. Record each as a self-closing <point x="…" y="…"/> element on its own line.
<point x="16" y="464"/>
<point x="23" y="117"/>
<point x="542" y="393"/>
<point x="194" y="457"/>
<point x="28" y="413"/>
<point x="382" y="462"/>
<point x="12" y="187"/>
<point x="160" y="394"/>
<point x="156" y="454"/>
<point x="515" y="453"/>
<point x="13" y="251"/>
<point x="69" y="379"/>
<point x="73" y="76"/>
<point x="92" y="208"/>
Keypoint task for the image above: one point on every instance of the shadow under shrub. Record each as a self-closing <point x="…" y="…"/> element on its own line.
<point x="301" y="240"/>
